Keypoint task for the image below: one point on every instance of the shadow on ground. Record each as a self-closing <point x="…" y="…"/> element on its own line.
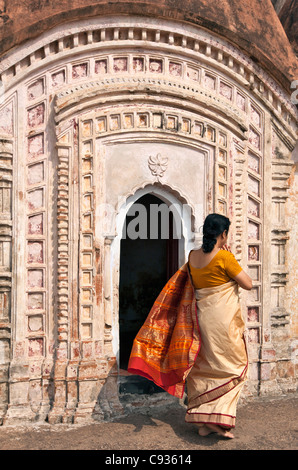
<point x="262" y="424"/>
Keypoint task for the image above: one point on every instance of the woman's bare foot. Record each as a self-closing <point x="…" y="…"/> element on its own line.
<point x="205" y="431"/>
<point x="215" y="428"/>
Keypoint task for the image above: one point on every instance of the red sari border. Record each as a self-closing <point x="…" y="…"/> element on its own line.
<point x="223" y="389"/>
<point x="220" y="419"/>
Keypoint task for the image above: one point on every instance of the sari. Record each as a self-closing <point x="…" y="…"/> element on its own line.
<point x="168" y="343"/>
<point x="195" y="336"/>
<point x="216" y="379"/>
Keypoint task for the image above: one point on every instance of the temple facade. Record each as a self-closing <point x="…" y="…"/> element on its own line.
<point x="105" y="108"/>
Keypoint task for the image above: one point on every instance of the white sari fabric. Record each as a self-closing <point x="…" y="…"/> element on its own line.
<point x="215" y="381"/>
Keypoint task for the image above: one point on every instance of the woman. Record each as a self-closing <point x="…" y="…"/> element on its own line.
<point x="194" y="333"/>
<point x="217" y="376"/>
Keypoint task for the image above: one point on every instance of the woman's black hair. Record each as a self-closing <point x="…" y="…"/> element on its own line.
<point x="214" y="225"/>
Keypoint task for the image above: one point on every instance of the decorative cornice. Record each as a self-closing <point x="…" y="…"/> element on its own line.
<point x="99" y="36"/>
<point x="111" y="91"/>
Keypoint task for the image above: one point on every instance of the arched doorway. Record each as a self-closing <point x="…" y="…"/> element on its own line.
<point x="148" y="258"/>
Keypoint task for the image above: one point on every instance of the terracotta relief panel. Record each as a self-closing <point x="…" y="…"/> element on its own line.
<point x="254" y="185"/>
<point x="198" y="128"/>
<point x="79" y="71"/>
<point x="35" y="146"/>
<point x="254" y="272"/>
<point x="101" y="124"/>
<point x="35" y="252"/>
<point x="222" y="140"/>
<point x="35" y="324"/>
<point x="5" y="255"/>
<point x="36" y="116"/>
<point x="6" y="120"/>
<point x="253" y="207"/>
<point x="225" y="90"/>
<point x="253" y="335"/>
<point x="35" y="173"/>
<point x="254" y="138"/>
<point x="5" y="199"/>
<point x="35" y="278"/>
<point x="172" y="122"/>
<point x="101" y="66"/>
<point x="58" y="78"/>
<point x="36" y="90"/>
<point x="186" y="123"/>
<point x="138" y="64"/>
<point x="254" y="295"/>
<point x="175" y="69"/>
<point x="87" y="128"/>
<point x="5" y="304"/>
<point x="114" y="123"/>
<point x="240" y="101"/>
<point x="35" y="199"/>
<point x="35" y="225"/>
<point x="120" y="65"/>
<point x="222" y="172"/>
<point x="210" y="133"/>
<point x="253" y="231"/>
<point x="142" y="120"/>
<point x="255" y="116"/>
<point x="35" y="347"/>
<point x="128" y="121"/>
<point x="155" y="66"/>
<point x="209" y="82"/>
<point x="35" y="301"/>
<point x="193" y="74"/>
<point x="254" y="253"/>
<point x="254" y="162"/>
<point x="253" y="314"/>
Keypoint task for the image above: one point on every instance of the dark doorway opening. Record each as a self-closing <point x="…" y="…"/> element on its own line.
<point x="148" y="258"/>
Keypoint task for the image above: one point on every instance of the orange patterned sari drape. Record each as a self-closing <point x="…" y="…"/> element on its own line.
<point x="168" y="343"/>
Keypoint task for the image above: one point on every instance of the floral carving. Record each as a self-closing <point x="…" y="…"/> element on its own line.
<point x="158" y="165"/>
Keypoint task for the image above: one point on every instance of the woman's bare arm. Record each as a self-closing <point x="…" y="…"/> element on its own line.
<point x="243" y="280"/>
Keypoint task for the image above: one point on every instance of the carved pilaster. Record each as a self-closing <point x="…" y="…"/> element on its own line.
<point x="63" y="252"/>
<point x="239" y="210"/>
<point x="280" y="233"/>
<point x="6" y="155"/>
<point x="61" y="372"/>
<point x="281" y="171"/>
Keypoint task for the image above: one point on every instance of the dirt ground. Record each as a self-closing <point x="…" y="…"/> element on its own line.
<point x="262" y="424"/>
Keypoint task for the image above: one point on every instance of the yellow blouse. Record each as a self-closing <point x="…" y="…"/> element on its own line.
<point x="222" y="268"/>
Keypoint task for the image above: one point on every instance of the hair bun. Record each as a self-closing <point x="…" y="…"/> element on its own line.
<point x="210" y="235"/>
<point x="208" y="244"/>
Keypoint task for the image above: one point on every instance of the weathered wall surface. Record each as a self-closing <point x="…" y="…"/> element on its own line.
<point x="95" y="114"/>
<point x="244" y="23"/>
<point x="292" y="297"/>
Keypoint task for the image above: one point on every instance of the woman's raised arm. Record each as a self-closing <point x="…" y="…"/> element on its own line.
<point x="243" y="280"/>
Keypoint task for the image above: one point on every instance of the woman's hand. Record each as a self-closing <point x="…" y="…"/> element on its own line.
<point x="226" y="247"/>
